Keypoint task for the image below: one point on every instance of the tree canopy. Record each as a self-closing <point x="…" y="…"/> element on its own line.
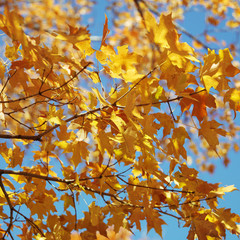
<point x="116" y="119"/>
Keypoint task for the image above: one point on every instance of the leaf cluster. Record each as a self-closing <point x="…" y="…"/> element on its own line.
<point x="93" y="127"/>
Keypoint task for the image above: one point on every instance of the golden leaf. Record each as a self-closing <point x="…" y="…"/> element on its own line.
<point x="210" y="131"/>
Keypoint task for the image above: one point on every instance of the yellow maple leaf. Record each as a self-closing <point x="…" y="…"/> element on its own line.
<point x="2" y="71"/>
<point x="165" y="121"/>
<point x="75" y="34"/>
<point x="233" y="23"/>
<point x="130" y="136"/>
<point x="79" y="37"/>
<point x="103" y="140"/>
<point x="16" y="156"/>
<point x="165" y="35"/>
<point x="123" y="234"/>
<point x="203" y="229"/>
<point x="232" y="96"/>
<point x="209" y="82"/>
<point x="68" y="201"/>
<point x="55" y="116"/>
<point x="80" y="152"/>
<point x="223" y="190"/>
<point x="11" y="52"/>
<point x="210" y="131"/>
<point x="75" y="236"/>
<point x="120" y="64"/>
<point x="95" y="213"/>
<point x="100" y="97"/>
<point x="95" y="77"/>
<point x="216" y="68"/>
<point x="176" y="144"/>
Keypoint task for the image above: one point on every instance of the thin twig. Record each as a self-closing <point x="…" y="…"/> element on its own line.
<point x="108" y="164"/>
<point x="171" y="111"/>
<point x="155" y="188"/>
<point x="121" y="173"/>
<point x="26" y="126"/>
<point x="30" y="221"/>
<point x="169" y="100"/>
<point x="29" y="174"/>
<point x="140" y="80"/>
<point x="75" y="208"/>
<point x="46" y="90"/>
<point x="44" y="79"/>
<point x="10" y="207"/>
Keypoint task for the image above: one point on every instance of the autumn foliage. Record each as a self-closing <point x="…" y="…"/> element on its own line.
<point x="97" y="139"/>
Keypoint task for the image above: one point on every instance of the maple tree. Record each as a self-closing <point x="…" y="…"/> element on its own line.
<point x="82" y="122"/>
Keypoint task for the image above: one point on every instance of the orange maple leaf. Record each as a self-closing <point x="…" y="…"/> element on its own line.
<point x="200" y="102"/>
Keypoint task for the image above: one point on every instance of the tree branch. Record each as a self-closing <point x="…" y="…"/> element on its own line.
<point x="28" y="174"/>
<point x="154" y="188"/>
<point x="10" y="207"/>
<point x="39" y="136"/>
<point x="30" y="221"/>
<point x="46" y="90"/>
